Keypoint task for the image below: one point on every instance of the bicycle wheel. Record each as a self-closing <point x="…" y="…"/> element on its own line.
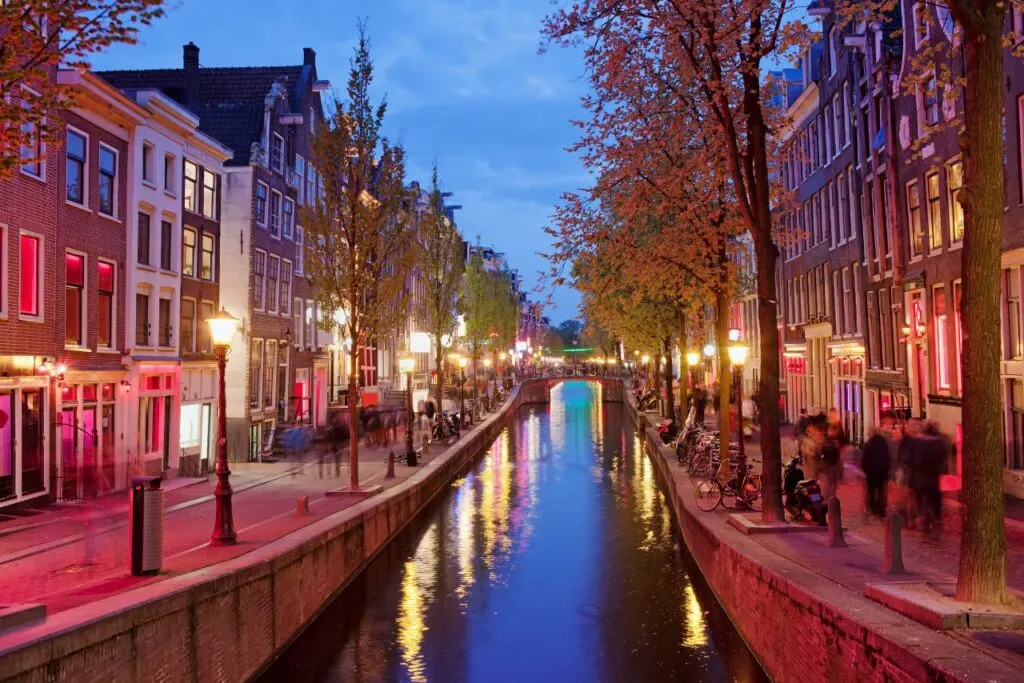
<point x="752" y="492"/>
<point x="729" y="497"/>
<point x="708" y="494"/>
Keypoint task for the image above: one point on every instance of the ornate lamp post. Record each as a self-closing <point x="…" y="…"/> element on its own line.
<point x="407" y="364"/>
<point x="463" y="362"/>
<point x="737" y="357"/>
<point x="222" y="328"/>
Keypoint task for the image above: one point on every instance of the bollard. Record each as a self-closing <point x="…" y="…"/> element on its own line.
<point x="426" y="445"/>
<point x="302" y="506"/>
<point x="391" y="466"/>
<point x="892" y="561"/>
<point x="835" y="524"/>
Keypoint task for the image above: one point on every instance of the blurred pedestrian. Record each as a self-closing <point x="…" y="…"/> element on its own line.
<point x="876" y="462"/>
<point x="909" y="458"/>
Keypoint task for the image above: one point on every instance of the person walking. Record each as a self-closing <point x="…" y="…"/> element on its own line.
<point x="700" y="399"/>
<point x="831" y="462"/>
<point x="934" y="453"/>
<point x="876" y="463"/>
<point x="909" y="463"/>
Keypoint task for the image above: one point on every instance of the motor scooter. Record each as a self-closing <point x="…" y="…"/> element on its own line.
<point x="803" y="497"/>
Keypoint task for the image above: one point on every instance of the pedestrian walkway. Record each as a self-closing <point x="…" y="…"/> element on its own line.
<point x="930" y="560"/>
<point x="69" y="555"/>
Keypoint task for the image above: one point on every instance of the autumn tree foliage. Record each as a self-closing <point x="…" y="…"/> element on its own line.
<point x="703" y="63"/>
<point x="440" y="266"/>
<point x="359" y="240"/>
<point x="37" y="36"/>
<point x="491" y="310"/>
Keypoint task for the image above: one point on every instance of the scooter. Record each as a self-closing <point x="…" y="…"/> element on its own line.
<point x="668" y="432"/>
<point x="803" y="496"/>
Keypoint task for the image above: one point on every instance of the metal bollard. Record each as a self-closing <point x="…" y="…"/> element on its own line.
<point x="391" y="466"/>
<point x="146" y="525"/>
<point x="302" y="506"/>
<point x="892" y="561"/>
<point x="835" y="524"/>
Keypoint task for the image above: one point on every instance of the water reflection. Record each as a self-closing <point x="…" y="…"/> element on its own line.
<point x="554" y="558"/>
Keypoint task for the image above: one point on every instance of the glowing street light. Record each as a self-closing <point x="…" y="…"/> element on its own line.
<point x="709" y="350"/>
<point x="406" y="365"/>
<point x="222" y="329"/>
<point x="692" y="358"/>
<point x="737" y="357"/>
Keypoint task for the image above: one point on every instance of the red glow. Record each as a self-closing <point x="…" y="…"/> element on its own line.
<point x="29" y="275"/>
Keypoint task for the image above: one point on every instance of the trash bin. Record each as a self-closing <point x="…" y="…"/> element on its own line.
<point x="146" y="525"/>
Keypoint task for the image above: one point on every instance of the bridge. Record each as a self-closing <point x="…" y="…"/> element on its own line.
<point x="538" y="390"/>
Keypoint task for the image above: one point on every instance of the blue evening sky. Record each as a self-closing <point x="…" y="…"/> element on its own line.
<point x="465" y="86"/>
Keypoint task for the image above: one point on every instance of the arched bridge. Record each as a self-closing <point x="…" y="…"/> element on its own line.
<point x="538" y="390"/>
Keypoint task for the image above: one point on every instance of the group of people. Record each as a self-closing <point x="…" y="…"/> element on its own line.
<point x="822" y="439"/>
<point x="919" y="459"/>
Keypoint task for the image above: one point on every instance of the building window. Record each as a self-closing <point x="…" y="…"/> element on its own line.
<point x="209" y="194"/>
<point x="259" y="264"/>
<point x="958" y="330"/>
<point x="269" y="368"/>
<point x="188" y="325"/>
<point x="32" y="153"/>
<point x="164" y="311"/>
<point x="203" y="328"/>
<point x="273" y="267"/>
<point x="833" y="50"/>
<point x="300" y="174"/>
<point x="837" y="123"/>
<point x="297" y="327"/>
<point x="275" y="214"/>
<point x="286" y="287"/>
<point x="310" y="183"/>
<point x="105" y="305"/>
<point x="934" y="212"/>
<point x="920" y="25"/>
<point x="874" y="343"/>
<point x="300" y="251"/>
<point x="914" y="218"/>
<point x="255" y="372"/>
<point x="288" y="218"/>
<point x="1014" y="333"/>
<point x="169" y="172"/>
<point x="941" y="336"/>
<point x="837" y="303"/>
<point x="188" y="252"/>
<point x="143" y="246"/>
<point x="74" y="288"/>
<point x="141" y="319"/>
<point x="191" y="187"/>
<point x="75" y="176"/>
<point x="310" y="324"/>
<point x="930" y="102"/>
<point x="108" y="181"/>
<point x="277" y="153"/>
<point x="148" y="172"/>
<point x="261" y="204"/>
<point x="30" y="272"/>
<point x="206" y="265"/>
<point x="954" y="181"/>
<point x="166" y="230"/>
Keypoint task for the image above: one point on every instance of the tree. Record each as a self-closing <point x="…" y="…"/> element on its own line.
<point x="491" y="313"/>
<point x="440" y="267"/>
<point x="359" y="244"/>
<point x="37" y="36"/>
<point x="569" y="331"/>
<point x="705" y="61"/>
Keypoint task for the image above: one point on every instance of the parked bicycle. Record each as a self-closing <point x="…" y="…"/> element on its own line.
<point x="727" y="488"/>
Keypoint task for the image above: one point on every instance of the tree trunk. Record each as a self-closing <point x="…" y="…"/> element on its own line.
<point x="439" y="390"/>
<point x="684" y="369"/>
<point x="656" y="360"/>
<point x="724" y="370"/>
<point x="353" y="416"/>
<point x="982" y="575"/>
<point x="670" y="395"/>
<point x="767" y="257"/>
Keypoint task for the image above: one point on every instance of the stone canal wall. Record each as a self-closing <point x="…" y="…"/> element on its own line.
<point x="798" y="623"/>
<point x="228" y="621"/>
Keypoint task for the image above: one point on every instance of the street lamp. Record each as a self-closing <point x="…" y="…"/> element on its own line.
<point x="737" y="357"/>
<point x="222" y="329"/>
<point x="406" y="365"/>
<point x="463" y="362"/>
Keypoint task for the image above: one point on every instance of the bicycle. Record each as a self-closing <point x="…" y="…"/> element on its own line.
<point x="744" y="487"/>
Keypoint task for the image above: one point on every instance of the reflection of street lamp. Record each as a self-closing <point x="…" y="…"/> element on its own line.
<point x="222" y="329"/>
<point x="737" y="357"/>
<point x="406" y="365"/>
<point x="463" y="362"/>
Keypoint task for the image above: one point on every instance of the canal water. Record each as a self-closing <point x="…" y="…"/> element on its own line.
<point x="555" y="558"/>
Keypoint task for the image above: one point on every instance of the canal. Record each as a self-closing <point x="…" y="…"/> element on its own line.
<point x="555" y="558"/>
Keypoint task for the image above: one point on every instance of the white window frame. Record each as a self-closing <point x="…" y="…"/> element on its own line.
<point x="300" y="171"/>
<point x="300" y="250"/>
<point x="288" y="224"/>
<point x="277" y="166"/>
<point x="942" y="374"/>
<point x="847" y="103"/>
<point x="266" y="204"/>
<point x="271" y="258"/>
<point x="40" y="144"/>
<point x="263" y="280"/>
<point x="215" y="191"/>
<point x="171" y="174"/>
<point x="197" y="183"/>
<point x="851" y="202"/>
<point x="912" y="189"/>
<point x="920" y="36"/>
<point x="952" y="202"/>
<point x="837" y="120"/>
<point x="113" y="306"/>
<point x="195" y="324"/>
<point x="148" y="169"/>
<point x="5" y="230"/>
<point x="114" y="198"/>
<point x="83" y="312"/>
<point x="284" y="304"/>
<point x="84" y="204"/>
<point x="275" y="214"/>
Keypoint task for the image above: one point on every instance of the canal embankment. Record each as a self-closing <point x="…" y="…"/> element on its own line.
<point x="227" y="621"/>
<point x="802" y="610"/>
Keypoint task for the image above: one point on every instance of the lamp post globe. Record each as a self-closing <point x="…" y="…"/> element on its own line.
<point x="222" y="330"/>
<point x="406" y="365"/>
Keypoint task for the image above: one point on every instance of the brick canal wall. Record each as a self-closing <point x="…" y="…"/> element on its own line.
<point x="800" y="625"/>
<point x="228" y="621"/>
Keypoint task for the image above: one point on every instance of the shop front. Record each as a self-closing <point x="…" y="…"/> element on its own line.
<point x="90" y="459"/>
<point x="24" y="439"/>
<point x="197" y="423"/>
<point x="796" y="382"/>
<point x="848" y="388"/>
<point x="153" y="448"/>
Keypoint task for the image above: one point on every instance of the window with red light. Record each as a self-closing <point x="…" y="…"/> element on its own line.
<point x="941" y="337"/>
<point x="105" y="305"/>
<point x="29" y="276"/>
<point x="74" y="288"/>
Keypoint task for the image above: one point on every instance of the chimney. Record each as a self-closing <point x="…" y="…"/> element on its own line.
<point x="308" y="56"/>
<point x="190" y="59"/>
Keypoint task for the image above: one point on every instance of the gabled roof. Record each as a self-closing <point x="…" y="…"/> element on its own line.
<point x="229" y="101"/>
